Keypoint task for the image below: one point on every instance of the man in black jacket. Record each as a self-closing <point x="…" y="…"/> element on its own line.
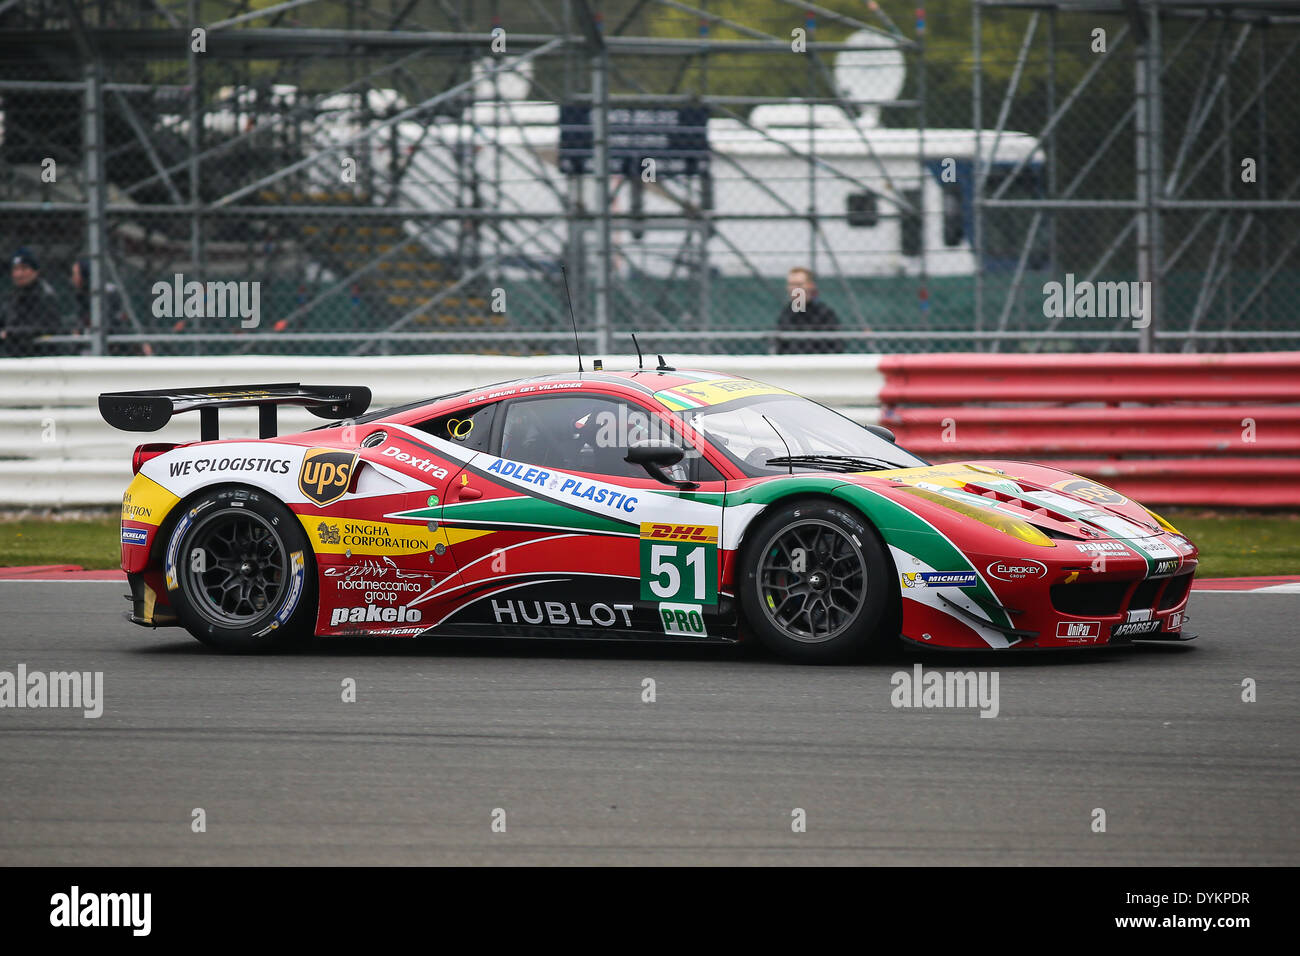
<point x="32" y="310"/>
<point x="805" y="312"/>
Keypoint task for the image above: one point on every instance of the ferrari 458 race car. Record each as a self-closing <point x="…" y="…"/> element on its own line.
<point x="657" y="505"/>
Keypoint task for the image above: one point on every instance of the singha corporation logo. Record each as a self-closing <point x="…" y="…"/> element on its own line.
<point x="329" y="533"/>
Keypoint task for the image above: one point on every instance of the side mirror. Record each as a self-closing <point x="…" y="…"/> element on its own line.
<point x="655" y="457"/>
<point x="881" y="431"/>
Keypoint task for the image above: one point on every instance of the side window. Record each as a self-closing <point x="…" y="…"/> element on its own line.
<point x="578" y="433"/>
<point x="586" y="433"/>
<point x="699" y="469"/>
<point x="954" y="230"/>
<point x="862" y="210"/>
<point x="471" y="427"/>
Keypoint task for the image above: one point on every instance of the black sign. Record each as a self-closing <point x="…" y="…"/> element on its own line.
<point x="676" y="138"/>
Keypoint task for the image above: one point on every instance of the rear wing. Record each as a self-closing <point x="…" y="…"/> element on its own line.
<point x="148" y="411"/>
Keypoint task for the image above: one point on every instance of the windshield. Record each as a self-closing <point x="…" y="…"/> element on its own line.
<point x="739" y="431"/>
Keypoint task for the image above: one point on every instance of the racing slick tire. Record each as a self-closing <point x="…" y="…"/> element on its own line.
<point x="816" y="583"/>
<point x="240" y="572"/>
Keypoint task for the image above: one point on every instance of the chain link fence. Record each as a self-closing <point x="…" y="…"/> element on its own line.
<point x="322" y="177"/>
<point x="1162" y="214"/>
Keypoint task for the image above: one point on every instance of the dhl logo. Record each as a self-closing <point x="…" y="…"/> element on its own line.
<point x="706" y="534"/>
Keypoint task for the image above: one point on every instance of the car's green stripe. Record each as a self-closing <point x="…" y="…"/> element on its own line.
<point x="523" y="509"/>
<point x="781" y="487"/>
<point x="898" y="526"/>
<point x="910" y="532"/>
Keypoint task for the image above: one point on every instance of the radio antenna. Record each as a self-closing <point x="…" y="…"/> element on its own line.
<point x="639" y="363"/>
<point x="572" y="318"/>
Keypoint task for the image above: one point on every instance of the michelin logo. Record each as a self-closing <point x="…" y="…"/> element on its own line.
<point x="134" y="535"/>
<point x="940" y="579"/>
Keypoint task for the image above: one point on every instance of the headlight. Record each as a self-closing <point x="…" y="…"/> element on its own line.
<point x="1007" y="524"/>
<point x="1162" y="522"/>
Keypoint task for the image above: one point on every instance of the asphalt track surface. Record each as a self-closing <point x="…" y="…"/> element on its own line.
<point x="557" y="736"/>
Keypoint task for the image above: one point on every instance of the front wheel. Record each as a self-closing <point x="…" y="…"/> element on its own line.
<point x="815" y="583"/>
<point x="239" y="571"/>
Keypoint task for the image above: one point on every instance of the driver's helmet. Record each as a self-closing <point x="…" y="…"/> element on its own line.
<point x="620" y="427"/>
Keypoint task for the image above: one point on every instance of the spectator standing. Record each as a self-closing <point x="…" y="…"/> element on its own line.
<point x="805" y="312"/>
<point x="32" y="310"/>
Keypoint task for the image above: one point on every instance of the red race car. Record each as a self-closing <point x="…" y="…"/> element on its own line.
<point x="645" y="505"/>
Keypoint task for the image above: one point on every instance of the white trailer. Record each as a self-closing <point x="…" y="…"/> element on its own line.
<point x="794" y="184"/>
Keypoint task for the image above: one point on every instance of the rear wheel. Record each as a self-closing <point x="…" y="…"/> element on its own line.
<point x="815" y="583"/>
<point x="240" y="573"/>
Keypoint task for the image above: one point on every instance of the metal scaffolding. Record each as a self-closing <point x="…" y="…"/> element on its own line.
<point x="208" y="167"/>
<point x="1202" y="80"/>
<point x="402" y="174"/>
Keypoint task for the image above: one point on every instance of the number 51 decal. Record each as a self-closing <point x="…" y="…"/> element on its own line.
<point x="679" y="563"/>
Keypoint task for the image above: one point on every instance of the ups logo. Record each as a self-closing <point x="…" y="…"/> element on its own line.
<point x="325" y="474"/>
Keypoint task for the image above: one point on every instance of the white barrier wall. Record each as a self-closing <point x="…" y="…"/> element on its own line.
<point x="55" y="450"/>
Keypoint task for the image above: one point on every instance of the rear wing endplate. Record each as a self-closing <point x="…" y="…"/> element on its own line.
<point x="148" y="411"/>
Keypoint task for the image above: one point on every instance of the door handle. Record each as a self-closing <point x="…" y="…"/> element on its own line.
<point x="466" y="492"/>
